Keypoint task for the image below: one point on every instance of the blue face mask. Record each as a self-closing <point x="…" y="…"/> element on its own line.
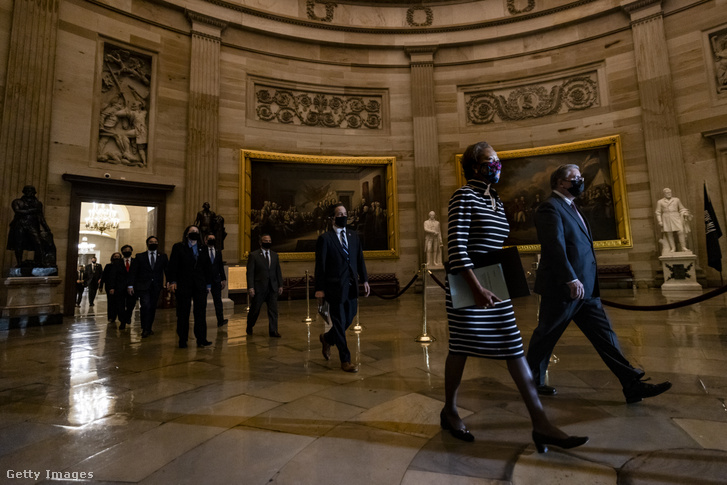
<point x="491" y="170"/>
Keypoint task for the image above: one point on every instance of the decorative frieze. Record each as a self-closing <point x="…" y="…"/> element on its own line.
<point x="419" y="16"/>
<point x="718" y="43"/>
<point x="329" y="110"/>
<point x="515" y="7"/>
<point x="330" y="7"/>
<point x="125" y="103"/>
<point x="574" y="93"/>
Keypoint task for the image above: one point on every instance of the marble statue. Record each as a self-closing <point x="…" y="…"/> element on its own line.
<point x="29" y="231"/>
<point x="672" y="217"/>
<point x="433" y="241"/>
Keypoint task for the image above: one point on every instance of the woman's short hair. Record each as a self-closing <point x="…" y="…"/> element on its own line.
<point x="472" y="157"/>
<point x="559" y="174"/>
<point x="186" y="231"/>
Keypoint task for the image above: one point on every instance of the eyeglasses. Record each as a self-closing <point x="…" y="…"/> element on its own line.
<point x="577" y="179"/>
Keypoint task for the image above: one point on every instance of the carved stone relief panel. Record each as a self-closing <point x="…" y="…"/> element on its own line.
<point x="321" y="11"/>
<point x="279" y="104"/>
<point x="515" y="7"/>
<point x="718" y="44"/>
<point x="572" y="93"/>
<point x="419" y="16"/>
<point x="125" y="96"/>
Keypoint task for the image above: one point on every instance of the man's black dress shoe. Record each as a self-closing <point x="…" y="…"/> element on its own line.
<point x="640" y="389"/>
<point x="546" y="390"/>
<point x="460" y="434"/>
<point x="122" y="326"/>
<point x="542" y="442"/>
<point x="275" y="334"/>
<point x="326" y="350"/>
<point x="182" y="345"/>
<point x="145" y="334"/>
<point x="222" y="323"/>
<point x="248" y="331"/>
<point x="203" y="343"/>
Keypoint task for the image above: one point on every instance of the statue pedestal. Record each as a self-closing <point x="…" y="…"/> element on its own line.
<point x="680" y="273"/>
<point x="28" y="301"/>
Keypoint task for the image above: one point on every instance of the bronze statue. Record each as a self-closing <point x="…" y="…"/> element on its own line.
<point x="210" y="223"/>
<point x="30" y="232"/>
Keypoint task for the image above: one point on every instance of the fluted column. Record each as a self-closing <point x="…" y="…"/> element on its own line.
<point x="664" y="158"/>
<point x="204" y="104"/>
<point x="26" y="117"/>
<point x="426" y="147"/>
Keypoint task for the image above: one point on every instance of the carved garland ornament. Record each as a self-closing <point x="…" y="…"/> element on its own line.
<point x="411" y="12"/>
<point x="276" y="105"/>
<point x="311" y="10"/>
<point x="514" y="10"/>
<point x="535" y="101"/>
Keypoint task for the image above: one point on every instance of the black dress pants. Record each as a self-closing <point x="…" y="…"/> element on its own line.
<point x="270" y="297"/>
<point x="342" y="313"/>
<point x="589" y="315"/>
<point x="148" y="300"/>
<point x="216" y="291"/>
<point x="185" y="298"/>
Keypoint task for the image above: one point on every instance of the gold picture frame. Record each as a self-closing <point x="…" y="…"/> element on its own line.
<point x="526" y="177"/>
<point x="301" y="183"/>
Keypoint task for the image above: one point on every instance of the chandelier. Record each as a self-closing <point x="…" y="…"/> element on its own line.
<point x="102" y="218"/>
<point x="85" y="247"/>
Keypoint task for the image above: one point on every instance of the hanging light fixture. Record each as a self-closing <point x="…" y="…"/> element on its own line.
<point x="85" y="247"/>
<point x="102" y="218"/>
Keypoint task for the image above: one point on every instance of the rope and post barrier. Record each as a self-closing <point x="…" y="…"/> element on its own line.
<point x="424" y="337"/>
<point x="307" y="320"/>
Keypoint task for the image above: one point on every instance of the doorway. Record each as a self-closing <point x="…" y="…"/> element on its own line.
<point x="139" y="207"/>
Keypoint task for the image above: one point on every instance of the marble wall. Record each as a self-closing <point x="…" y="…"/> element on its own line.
<point x="367" y="50"/>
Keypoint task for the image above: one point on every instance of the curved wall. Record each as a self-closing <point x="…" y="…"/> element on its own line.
<point x="360" y="47"/>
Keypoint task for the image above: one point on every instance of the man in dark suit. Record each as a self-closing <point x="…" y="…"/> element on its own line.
<point x="109" y="282"/>
<point x="93" y="275"/>
<point x="126" y="301"/>
<point x="339" y="268"/>
<point x="190" y="276"/>
<point x="567" y="281"/>
<point x="219" y="280"/>
<point x="264" y="284"/>
<point x="146" y="280"/>
<point x="80" y="283"/>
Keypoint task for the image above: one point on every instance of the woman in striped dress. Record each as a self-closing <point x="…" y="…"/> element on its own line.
<point x="477" y="224"/>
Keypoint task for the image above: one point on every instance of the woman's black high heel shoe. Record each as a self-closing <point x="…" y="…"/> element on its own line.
<point x="460" y="434"/>
<point x="542" y="442"/>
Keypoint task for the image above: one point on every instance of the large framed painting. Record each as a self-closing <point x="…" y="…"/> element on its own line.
<point x="291" y="197"/>
<point x="525" y="182"/>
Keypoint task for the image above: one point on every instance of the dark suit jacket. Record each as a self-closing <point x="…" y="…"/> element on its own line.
<point x="566" y="251"/>
<point x="93" y="277"/>
<point x="187" y="272"/>
<point x="335" y="272"/>
<point x="142" y="276"/>
<point x="115" y="278"/>
<point x="259" y="276"/>
<point x="218" y="268"/>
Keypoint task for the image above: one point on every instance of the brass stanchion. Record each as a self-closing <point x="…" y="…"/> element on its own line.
<point x="357" y="328"/>
<point x="424" y="337"/>
<point x="307" y="319"/>
<point x="247" y="310"/>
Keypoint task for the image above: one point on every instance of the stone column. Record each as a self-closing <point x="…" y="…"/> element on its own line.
<point x="664" y="158"/>
<point x="204" y="104"/>
<point x="426" y="147"/>
<point x="26" y="117"/>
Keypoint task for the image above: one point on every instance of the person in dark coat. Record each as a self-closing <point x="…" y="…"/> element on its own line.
<point x="219" y="280"/>
<point x="108" y="282"/>
<point x="80" y="283"/>
<point x="339" y="268"/>
<point x="93" y="276"/>
<point x="264" y="285"/>
<point x="126" y="301"/>
<point x="146" y="280"/>
<point x="190" y="276"/>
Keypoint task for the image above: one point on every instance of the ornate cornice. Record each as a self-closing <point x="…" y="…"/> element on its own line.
<point x="632" y="6"/>
<point x="213" y="22"/>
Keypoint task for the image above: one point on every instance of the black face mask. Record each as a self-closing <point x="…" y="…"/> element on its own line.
<point x="127" y="254"/>
<point x="152" y="247"/>
<point x="266" y="245"/>
<point x="115" y="260"/>
<point x="193" y="236"/>
<point x="211" y="243"/>
<point x="576" y="187"/>
<point x="341" y="221"/>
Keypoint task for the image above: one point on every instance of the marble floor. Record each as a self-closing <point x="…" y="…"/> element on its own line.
<point x="84" y="402"/>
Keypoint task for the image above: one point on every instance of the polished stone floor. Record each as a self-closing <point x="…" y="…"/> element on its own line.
<point x="85" y="398"/>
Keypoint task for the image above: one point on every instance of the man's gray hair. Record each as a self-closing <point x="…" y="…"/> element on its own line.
<point x="559" y="173"/>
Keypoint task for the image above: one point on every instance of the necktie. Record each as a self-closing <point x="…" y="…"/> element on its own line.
<point x="153" y="259"/>
<point x="343" y="242"/>
<point x="127" y="265"/>
<point x="212" y="255"/>
<point x="267" y="258"/>
<point x="578" y="214"/>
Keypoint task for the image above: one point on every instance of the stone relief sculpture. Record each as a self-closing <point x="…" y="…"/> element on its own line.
<point x="29" y="231"/>
<point x="534" y="101"/>
<point x="672" y="217"/>
<point x="210" y="223"/>
<point x="124" y="115"/>
<point x="433" y="241"/>
<point x="719" y="49"/>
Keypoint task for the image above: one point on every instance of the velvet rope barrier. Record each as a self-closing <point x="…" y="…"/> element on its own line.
<point x="669" y="306"/>
<point x="436" y="280"/>
<point x="373" y="292"/>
